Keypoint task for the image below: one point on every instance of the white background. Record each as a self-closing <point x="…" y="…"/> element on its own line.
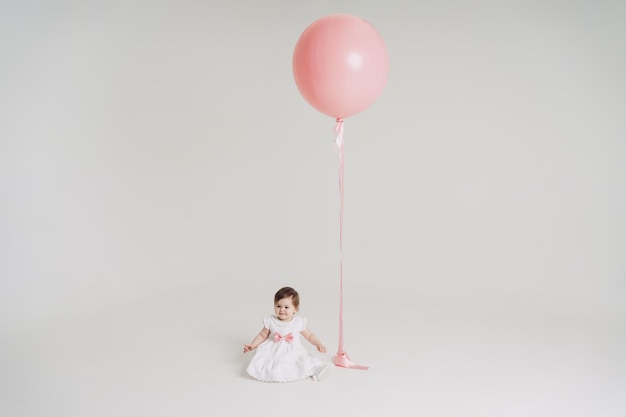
<point x="161" y="177"/>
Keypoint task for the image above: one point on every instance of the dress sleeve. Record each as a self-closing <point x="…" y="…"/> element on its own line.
<point x="266" y="322"/>
<point x="303" y="322"/>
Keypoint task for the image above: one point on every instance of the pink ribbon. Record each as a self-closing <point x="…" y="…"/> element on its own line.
<point x="279" y="338"/>
<point x="341" y="358"/>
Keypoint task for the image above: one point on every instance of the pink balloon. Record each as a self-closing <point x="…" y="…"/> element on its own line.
<point x="340" y="65"/>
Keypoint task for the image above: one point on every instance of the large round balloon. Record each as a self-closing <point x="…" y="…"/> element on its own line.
<point x="340" y="65"/>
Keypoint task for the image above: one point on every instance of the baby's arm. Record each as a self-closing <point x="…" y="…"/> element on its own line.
<point x="310" y="336"/>
<point x="260" y="338"/>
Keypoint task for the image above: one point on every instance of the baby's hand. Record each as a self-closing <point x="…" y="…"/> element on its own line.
<point x="321" y="348"/>
<point x="247" y="348"/>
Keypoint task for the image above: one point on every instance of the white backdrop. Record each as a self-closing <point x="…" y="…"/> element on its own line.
<point x="157" y="156"/>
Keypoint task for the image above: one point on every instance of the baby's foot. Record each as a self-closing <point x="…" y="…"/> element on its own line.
<point x="322" y="373"/>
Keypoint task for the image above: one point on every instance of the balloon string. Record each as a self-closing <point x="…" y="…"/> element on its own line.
<point x="339" y="145"/>
<point x="341" y="358"/>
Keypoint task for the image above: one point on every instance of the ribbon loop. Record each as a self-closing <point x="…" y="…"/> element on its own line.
<point x="280" y="338"/>
<point x="339" y="134"/>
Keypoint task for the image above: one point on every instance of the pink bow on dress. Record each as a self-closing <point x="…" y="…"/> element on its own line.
<point x="279" y="337"/>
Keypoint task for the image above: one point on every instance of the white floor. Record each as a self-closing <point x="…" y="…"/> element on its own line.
<point x="180" y="355"/>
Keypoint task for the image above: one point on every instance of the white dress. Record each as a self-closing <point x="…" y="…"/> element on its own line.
<point x="282" y="357"/>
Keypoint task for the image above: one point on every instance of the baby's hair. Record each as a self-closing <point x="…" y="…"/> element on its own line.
<point x="287" y="292"/>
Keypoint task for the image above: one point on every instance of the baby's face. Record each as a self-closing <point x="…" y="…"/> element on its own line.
<point x="284" y="309"/>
